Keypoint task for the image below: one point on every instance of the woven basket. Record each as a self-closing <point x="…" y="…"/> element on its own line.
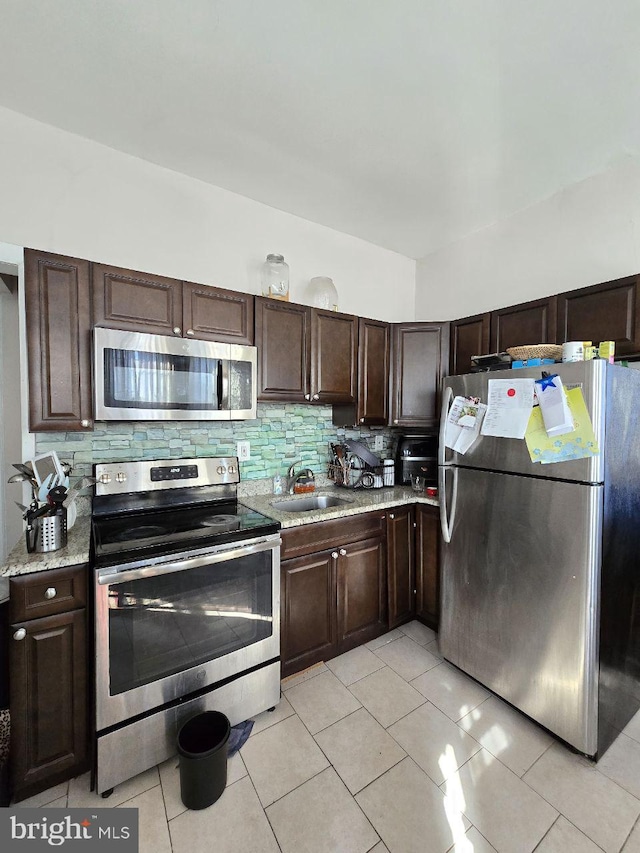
<point x="536" y="351"/>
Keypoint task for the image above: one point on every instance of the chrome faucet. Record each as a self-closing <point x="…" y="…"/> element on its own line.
<point x="291" y="476"/>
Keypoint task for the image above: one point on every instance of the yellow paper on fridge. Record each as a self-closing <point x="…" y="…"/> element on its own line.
<point x="579" y="444"/>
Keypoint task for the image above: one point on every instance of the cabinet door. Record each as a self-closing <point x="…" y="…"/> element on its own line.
<point x="137" y="301"/>
<point x="307" y="611"/>
<point x="362" y="593"/>
<point x="214" y="314"/>
<point x="420" y="351"/>
<point x="372" y="404"/>
<point x="49" y="700"/>
<point x="469" y="337"/>
<point x="400" y="565"/>
<point x="427" y="564"/>
<point x="334" y="341"/>
<point x="58" y="317"/>
<point x="284" y="349"/>
<point x="529" y="323"/>
<point x="604" y="312"/>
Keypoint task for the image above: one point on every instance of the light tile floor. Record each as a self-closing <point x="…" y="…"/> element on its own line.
<point x="387" y="749"/>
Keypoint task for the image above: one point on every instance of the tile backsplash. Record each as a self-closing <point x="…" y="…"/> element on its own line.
<point x="280" y="435"/>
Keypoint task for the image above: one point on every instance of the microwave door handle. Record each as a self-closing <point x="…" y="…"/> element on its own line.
<point x="223" y="383"/>
<point x="446" y="520"/>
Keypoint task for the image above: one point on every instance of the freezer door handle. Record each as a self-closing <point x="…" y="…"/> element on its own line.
<point x="447" y="399"/>
<point x="446" y="520"/>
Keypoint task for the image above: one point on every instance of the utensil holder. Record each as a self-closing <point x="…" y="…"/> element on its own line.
<point x="48" y="533"/>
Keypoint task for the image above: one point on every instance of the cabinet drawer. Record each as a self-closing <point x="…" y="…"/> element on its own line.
<point x="330" y="534"/>
<point x="47" y="593"/>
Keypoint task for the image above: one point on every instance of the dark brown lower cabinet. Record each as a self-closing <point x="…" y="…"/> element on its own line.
<point x="427" y="564"/>
<point x="361" y="577"/>
<point x="48" y="679"/>
<point x="307" y="611"/>
<point x="400" y="565"/>
<point x="333" y="588"/>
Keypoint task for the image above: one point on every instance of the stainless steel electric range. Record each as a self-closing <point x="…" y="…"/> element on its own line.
<point x="187" y="597"/>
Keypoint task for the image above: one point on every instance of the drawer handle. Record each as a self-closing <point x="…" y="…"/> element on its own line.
<point x="343" y="552"/>
<point x="334" y="555"/>
<point x="50" y="592"/>
<point x="20" y="634"/>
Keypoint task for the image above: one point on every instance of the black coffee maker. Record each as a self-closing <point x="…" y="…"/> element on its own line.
<point x="417" y="454"/>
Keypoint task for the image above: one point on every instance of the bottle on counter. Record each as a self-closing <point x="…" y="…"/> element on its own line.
<point x="278" y="485"/>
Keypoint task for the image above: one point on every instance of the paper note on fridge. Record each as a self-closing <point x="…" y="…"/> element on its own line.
<point x="554" y="407"/>
<point x="509" y="407"/>
<point x="462" y="426"/>
<point x="579" y="444"/>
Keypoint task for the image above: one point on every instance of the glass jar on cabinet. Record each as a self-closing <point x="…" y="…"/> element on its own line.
<point x="275" y="277"/>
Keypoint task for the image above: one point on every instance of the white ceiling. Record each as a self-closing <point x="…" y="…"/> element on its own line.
<point x="409" y="123"/>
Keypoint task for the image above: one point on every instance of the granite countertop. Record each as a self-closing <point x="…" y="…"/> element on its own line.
<point x="356" y="501"/>
<point x="75" y="552"/>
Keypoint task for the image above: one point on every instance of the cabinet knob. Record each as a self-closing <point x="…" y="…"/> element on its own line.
<point x="50" y="592"/>
<point x="316" y="396"/>
<point x="190" y="332"/>
<point x="343" y="552"/>
<point x="177" y="330"/>
<point x="20" y="634"/>
<point x="85" y="423"/>
<point x="396" y="421"/>
<point x="391" y="515"/>
<point x="334" y="555"/>
<point x="307" y="396"/>
<point x="361" y="420"/>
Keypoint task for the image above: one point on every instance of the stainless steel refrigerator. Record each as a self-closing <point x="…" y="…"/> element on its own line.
<point x="540" y="564"/>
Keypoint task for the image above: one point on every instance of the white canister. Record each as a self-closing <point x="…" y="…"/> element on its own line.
<point x="573" y="351"/>
<point x="388" y="472"/>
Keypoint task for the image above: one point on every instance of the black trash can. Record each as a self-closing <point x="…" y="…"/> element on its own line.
<point x="202" y="747"/>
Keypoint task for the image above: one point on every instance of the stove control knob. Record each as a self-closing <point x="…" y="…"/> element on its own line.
<point x="221" y="470"/>
<point x="232" y="469"/>
<point x="121" y="477"/>
<point x="105" y="478"/>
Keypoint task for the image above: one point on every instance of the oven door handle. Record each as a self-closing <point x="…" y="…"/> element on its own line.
<point x="115" y="575"/>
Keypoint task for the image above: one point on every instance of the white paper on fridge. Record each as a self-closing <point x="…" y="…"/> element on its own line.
<point x="508" y="408"/>
<point x="457" y="435"/>
<point x="554" y="407"/>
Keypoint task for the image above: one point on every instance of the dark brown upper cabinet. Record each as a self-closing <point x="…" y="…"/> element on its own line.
<point x="528" y="323"/>
<point x="420" y="354"/>
<point x="372" y="403"/>
<point x="603" y="312"/>
<point x="305" y="354"/>
<point x="136" y="301"/>
<point x="214" y="314"/>
<point x="334" y="345"/>
<point x="469" y="337"/>
<point x="140" y="302"/>
<point x="283" y="338"/>
<point x="58" y="320"/>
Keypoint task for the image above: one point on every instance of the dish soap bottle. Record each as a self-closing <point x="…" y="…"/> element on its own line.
<point x="278" y="485"/>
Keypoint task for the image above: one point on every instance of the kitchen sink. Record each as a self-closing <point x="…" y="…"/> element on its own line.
<point x="308" y="504"/>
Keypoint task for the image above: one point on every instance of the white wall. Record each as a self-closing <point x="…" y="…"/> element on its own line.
<point x="69" y="195"/>
<point x="585" y="234"/>
<point x="12" y="396"/>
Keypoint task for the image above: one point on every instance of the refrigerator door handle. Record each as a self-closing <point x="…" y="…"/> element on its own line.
<point x="447" y="399"/>
<point x="446" y="521"/>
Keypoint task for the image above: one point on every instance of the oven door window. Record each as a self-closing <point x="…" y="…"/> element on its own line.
<point x="146" y="380"/>
<point x="162" y="625"/>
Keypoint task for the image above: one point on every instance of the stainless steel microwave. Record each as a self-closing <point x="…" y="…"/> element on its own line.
<point x="145" y="377"/>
